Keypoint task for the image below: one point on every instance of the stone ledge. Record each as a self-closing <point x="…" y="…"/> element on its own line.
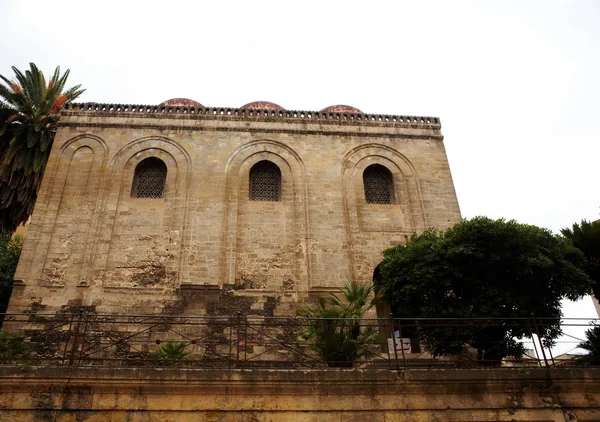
<point x="337" y="376"/>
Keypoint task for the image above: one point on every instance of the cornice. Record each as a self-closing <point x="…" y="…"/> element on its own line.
<point x="256" y="130"/>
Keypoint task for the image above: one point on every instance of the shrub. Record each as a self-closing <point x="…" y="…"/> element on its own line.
<point x="12" y="348"/>
<point x="172" y="353"/>
<point x="334" y="328"/>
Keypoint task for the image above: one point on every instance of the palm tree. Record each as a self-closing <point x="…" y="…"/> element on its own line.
<point x="29" y="114"/>
<point x="334" y="328"/>
<point x="592" y="345"/>
<point x="172" y="353"/>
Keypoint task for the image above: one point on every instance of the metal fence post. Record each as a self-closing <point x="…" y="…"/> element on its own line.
<point x="394" y="343"/>
<point x="75" y="339"/>
<point x="238" y="337"/>
<point x="70" y="332"/>
<point x="230" y="357"/>
<point x="83" y="337"/>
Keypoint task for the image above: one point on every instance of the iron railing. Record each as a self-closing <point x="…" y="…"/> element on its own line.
<point x="79" y="338"/>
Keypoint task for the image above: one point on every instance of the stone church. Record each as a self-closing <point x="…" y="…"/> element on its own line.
<point x="185" y="209"/>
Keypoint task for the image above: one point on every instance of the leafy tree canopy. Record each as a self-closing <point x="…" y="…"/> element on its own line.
<point x="29" y="113"/>
<point x="586" y="237"/>
<point x="483" y="268"/>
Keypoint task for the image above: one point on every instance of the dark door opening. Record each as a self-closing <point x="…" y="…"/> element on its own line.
<point x="407" y="328"/>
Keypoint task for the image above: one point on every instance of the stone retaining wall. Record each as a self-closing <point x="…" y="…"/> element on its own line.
<point x="135" y="394"/>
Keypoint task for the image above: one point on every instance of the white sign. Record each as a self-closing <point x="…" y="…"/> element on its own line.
<point x="402" y="344"/>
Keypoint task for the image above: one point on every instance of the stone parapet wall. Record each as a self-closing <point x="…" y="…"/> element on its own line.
<point x="101" y="394"/>
<point x="251" y="113"/>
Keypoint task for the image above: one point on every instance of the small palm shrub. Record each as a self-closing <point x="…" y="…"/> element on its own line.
<point x="12" y="348"/>
<point x="334" y="329"/>
<point x="172" y="353"/>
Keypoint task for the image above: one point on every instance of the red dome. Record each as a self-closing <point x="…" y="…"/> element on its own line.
<point x="180" y="102"/>
<point x="263" y="105"/>
<point x="340" y="108"/>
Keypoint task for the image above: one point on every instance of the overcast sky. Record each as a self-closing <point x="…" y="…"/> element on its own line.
<point x="515" y="83"/>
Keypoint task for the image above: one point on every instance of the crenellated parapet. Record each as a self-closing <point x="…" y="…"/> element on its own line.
<point x="255" y="114"/>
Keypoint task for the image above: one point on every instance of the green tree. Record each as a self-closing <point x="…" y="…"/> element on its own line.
<point x="29" y="114"/>
<point x="334" y="328"/>
<point x="10" y="250"/>
<point x="586" y="238"/>
<point x="485" y="269"/>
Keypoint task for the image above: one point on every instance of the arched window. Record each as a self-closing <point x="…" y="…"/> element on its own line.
<point x="265" y="182"/>
<point x="149" y="179"/>
<point x="379" y="185"/>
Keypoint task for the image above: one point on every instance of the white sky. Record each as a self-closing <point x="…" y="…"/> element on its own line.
<point x="515" y="83"/>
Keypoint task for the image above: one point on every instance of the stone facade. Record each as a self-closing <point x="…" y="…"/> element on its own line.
<point x="205" y="246"/>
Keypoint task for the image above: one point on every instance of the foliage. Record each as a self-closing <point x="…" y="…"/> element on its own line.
<point x="29" y="114"/>
<point x="12" y="348"/>
<point x="592" y="345"/>
<point x="334" y="329"/>
<point x="172" y="353"/>
<point x="10" y="250"/>
<point x="486" y="269"/>
<point x="586" y="237"/>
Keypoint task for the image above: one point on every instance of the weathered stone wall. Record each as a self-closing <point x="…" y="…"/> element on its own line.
<point x="205" y="246"/>
<point x="101" y="394"/>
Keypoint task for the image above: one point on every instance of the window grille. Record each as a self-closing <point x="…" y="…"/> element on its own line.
<point x="265" y="182"/>
<point x="379" y="185"/>
<point x="149" y="179"/>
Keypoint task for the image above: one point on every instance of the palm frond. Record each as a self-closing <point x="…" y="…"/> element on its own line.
<point x="30" y="110"/>
<point x="334" y="329"/>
